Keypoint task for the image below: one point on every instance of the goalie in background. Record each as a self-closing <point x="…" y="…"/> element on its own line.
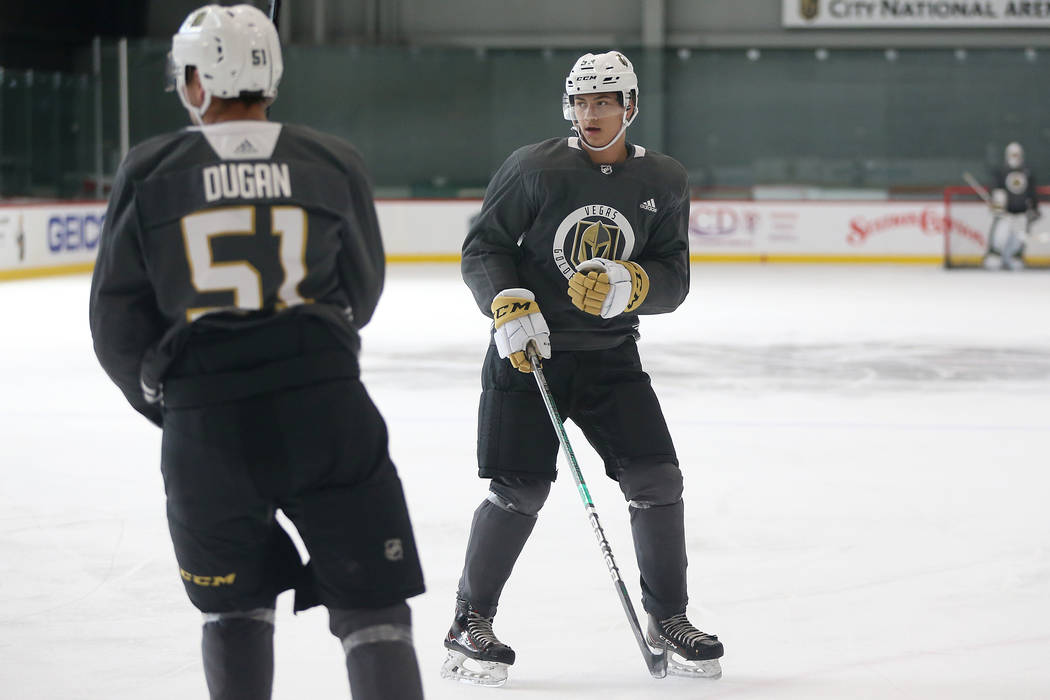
<point x="1014" y="207"/>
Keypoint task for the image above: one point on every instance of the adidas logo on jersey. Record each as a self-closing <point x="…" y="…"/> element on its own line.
<point x="649" y="205"/>
<point x="245" y="147"/>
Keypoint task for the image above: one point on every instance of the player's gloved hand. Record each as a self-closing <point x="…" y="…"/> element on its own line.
<point x="608" y="288"/>
<point x="516" y="320"/>
<point x="998" y="203"/>
<point x="1033" y="215"/>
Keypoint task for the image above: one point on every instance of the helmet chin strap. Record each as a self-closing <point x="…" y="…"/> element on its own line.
<point x="196" y="113"/>
<point x="579" y="132"/>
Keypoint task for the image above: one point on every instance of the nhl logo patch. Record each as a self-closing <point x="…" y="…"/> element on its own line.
<point x="606" y="169"/>
<point x="394" y="550"/>
<point x="809" y="9"/>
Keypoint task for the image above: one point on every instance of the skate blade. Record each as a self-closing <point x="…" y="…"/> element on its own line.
<point x="458" y="667"/>
<point x="681" y="668"/>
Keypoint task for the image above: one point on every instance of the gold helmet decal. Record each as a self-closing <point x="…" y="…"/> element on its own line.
<point x="595" y="239"/>
<point x="593" y="231"/>
<point x="809" y="9"/>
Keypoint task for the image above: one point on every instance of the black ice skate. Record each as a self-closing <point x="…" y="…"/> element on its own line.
<point x="475" y="655"/>
<point x="690" y="652"/>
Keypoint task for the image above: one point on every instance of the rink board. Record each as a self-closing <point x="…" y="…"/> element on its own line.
<point x="59" y="237"/>
<point x="969" y="223"/>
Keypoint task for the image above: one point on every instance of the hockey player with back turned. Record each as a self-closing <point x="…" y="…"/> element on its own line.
<point x="577" y="237"/>
<point x="1015" y="205"/>
<point x="238" y="262"/>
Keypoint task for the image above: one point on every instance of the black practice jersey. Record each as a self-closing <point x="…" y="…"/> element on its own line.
<point x="549" y="208"/>
<point x="226" y="226"/>
<point x="1019" y="184"/>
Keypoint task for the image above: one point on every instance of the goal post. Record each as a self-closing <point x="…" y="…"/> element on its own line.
<point x="968" y="223"/>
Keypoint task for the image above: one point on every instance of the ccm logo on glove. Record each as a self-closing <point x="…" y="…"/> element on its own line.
<point x="511" y="308"/>
<point x="608" y="288"/>
<point x="517" y="321"/>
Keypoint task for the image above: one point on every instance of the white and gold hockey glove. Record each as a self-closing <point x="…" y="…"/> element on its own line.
<point x="516" y="320"/>
<point x="998" y="201"/>
<point x="608" y="288"/>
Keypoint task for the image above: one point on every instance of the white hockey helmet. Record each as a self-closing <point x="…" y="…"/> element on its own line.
<point x="235" y="51"/>
<point x="1014" y="155"/>
<point x="604" y="72"/>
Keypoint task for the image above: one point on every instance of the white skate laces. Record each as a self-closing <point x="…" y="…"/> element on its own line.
<point x="475" y="655"/>
<point x="480" y="631"/>
<point x="680" y="629"/>
<point x="690" y="652"/>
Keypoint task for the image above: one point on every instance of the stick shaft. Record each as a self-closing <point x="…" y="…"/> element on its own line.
<point x="978" y="188"/>
<point x="656" y="662"/>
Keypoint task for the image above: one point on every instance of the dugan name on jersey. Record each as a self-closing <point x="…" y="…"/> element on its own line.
<point x="246" y="181"/>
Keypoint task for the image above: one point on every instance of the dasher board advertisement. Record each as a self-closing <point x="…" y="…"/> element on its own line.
<point x="915" y="14"/>
<point x="49" y="238"/>
<point x="814" y="231"/>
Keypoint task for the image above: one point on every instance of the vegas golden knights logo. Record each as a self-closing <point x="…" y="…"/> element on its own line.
<point x="595" y="238"/>
<point x="1017" y="182"/>
<point x="591" y="231"/>
<point x="809" y="9"/>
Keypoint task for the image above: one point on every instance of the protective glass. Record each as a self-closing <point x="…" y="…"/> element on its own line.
<point x="583" y="107"/>
<point x="171" y="74"/>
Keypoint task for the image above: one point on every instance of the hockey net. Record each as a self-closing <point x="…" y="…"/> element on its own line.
<point x="968" y="222"/>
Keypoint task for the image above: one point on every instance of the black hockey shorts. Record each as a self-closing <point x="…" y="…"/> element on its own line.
<point x="604" y="392"/>
<point x="317" y="452"/>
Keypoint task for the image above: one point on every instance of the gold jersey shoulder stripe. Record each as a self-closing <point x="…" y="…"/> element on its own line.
<point x="639" y="284"/>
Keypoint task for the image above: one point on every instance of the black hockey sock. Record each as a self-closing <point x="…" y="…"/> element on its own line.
<point x="238" y="655"/>
<point x="497" y="537"/>
<point x="659" y="544"/>
<point x="380" y="659"/>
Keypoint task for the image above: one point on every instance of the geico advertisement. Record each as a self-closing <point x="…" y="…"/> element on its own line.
<point x="833" y="228"/>
<point x="47" y="236"/>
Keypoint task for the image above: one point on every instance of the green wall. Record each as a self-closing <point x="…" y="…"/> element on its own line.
<point x="437" y="122"/>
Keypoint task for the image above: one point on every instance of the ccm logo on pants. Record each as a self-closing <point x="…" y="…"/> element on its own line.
<point x="208" y="580"/>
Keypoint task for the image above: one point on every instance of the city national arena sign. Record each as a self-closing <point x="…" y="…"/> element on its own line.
<point x="912" y="14"/>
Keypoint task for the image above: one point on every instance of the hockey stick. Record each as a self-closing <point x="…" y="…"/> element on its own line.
<point x="275" y="11"/>
<point x="655" y="661"/>
<point x="978" y="188"/>
<point x="275" y="16"/>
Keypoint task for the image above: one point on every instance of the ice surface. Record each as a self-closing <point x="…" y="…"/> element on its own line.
<point x="866" y="454"/>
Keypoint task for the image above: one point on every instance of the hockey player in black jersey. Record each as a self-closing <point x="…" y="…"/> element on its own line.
<point x="576" y="238"/>
<point x="238" y="262"/>
<point x="1015" y="205"/>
